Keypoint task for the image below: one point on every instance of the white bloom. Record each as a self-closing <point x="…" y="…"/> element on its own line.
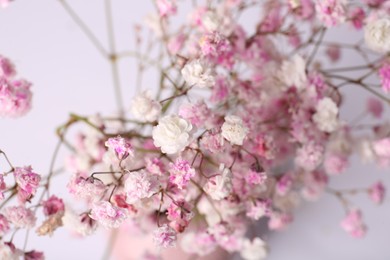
<point x="326" y="115"/>
<point x="7" y="254"/>
<point x="172" y="134"/>
<point x="220" y="186"/>
<point x="140" y="185"/>
<point x="233" y="130"/>
<point x="144" y="108"/>
<point x="366" y="150"/>
<point x="81" y="225"/>
<point x="199" y="73"/>
<point x="293" y="72"/>
<point x="255" y="250"/>
<point x="377" y="35"/>
<point x="211" y="21"/>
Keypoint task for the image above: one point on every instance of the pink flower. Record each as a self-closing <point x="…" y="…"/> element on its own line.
<point x="198" y="114"/>
<point x="384" y="74"/>
<point x="166" y="7"/>
<point x="309" y="156"/>
<point x="377" y="192"/>
<point x="213" y="142"/>
<point x="331" y="12"/>
<point x="155" y="166"/>
<point x="357" y="17"/>
<point x="140" y="185"/>
<point x="121" y="146"/>
<point x="53" y="205"/>
<point x="27" y="180"/>
<point x="34" y="255"/>
<point x="335" y="164"/>
<point x="181" y="173"/>
<point x="382" y="149"/>
<point x="6" y="66"/>
<point x="4" y="225"/>
<point x="15" y="97"/>
<point x="284" y="184"/>
<point x="279" y="221"/>
<point x="90" y="189"/>
<point x="374" y="107"/>
<point x="20" y="216"/>
<point x="258" y="209"/>
<point x="353" y="224"/>
<point x="108" y="215"/>
<point x="164" y="236"/>
<point x="255" y="178"/>
<point x="333" y="52"/>
<point x="314" y="185"/>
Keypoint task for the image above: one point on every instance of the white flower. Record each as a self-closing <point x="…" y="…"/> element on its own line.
<point x="255" y="250"/>
<point x="144" y="108"/>
<point x="7" y="254"/>
<point x="140" y="185"/>
<point x="377" y="35"/>
<point x="172" y="134"/>
<point x="292" y="72"/>
<point x="80" y="225"/>
<point x="326" y="115"/>
<point x="220" y="186"/>
<point x="211" y="21"/>
<point x="199" y="73"/>
<point x="233" y="130"/>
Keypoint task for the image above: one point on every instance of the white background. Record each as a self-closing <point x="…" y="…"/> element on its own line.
<point x="69" y="75"/>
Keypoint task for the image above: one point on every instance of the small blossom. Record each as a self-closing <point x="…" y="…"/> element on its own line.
<point x="108" y="215"/>
<point x="357" y="17"/>
<point x="384" y="74"/>
<point x="254" y="250"/>
<point x="121" y="146"/>
<point x="331" y="12"/>
<point x="7" y="251"/>
<point x="83" y="225"/>
<point x="284" y="184"/>
<point x="172" y="134"/>
<point x="353" y="224"/>
<point x="335" y="164"/>
<point x="155" y="166"/>
<point x="4" y="225"/>
<point x="198" y="73"/>
<point x="15" y="97"/>
<point x="198" y="114"/>
<point x="326" y="115"/>
<point x="220" y="186"/>
<point x="181" y="173"/>
<point x="166" y="7"/>
<point x="140" y="185"/>
<point x="7" y="68"/>
<point x="309" y="156"/>
<point x="293" y="72"/>
<point x="377" y="192"/>
<point x="382" y="148"/>
<point x="333" y="52"/>
<point x="258" y="209"/>
<point x="255" y="178"/>
<point x="279" y="221"/>
<point x="164" y="236"/>
<point x="20" y="216"/>
<point x="53" y="205"/>
<point x="210" y="21"/>
<point x="377" y="34"/>
<point x="144" y="108"/>
<point x="213" y="142"/>
<point x="34" y="255"/>
<point x="90" y="189"/>
<point x="26" y="179"/>
<point x="201" y="243"/>
<point x="374" y="106"/>
<point x="233" y="130"/>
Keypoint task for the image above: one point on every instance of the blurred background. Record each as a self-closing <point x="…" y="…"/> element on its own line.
<point x="69" y="75"/>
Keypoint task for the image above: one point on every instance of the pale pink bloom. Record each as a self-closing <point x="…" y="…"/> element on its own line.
<point x="335" y="164"/>
<point x="377" y="192"/>
<point x="213" y="142"/>
<point x="121" y="146"/>
<point x="166" y="7"/>
<point x="314" y="185"/>
<point x="8" y="251"/>
<point x="82" y="225"/>
<point x="331" y="12"/>
<point x="155" y="166"/>
<point x="384" y="74"/>
<point x="255" y="178"/>
<point x="198" y="114"/>
<point x="220" y="186"/>
<point x="27" y="180"/>
<point x="176" y="43"/>
<point x="272" y="20"/>
<point x="234" y="130"/>
<point x="53" y="205"/>
<point x="254" y="250"/>
<point x="4" y="225"/>
<point x="180" y="210"/>
<point x="374" y="107"/>
<point x="279" y="221"/>
<point x="34" y="255"/>
<point x="333" y="52"/>
<point x="227" y="235"/>
<point x="140" y="185"/>
<point x="7" y="68"/>
<point x="90" y="189"/>
<point x="217" y="48"/>
<point x="220" y="90"/>
<point x="108" y="215"/>
<point x="284" y="184"/>
<point x="357" y="16"/>
<point x="20" y="216"/>
<point x="382" y="149"/>
<point x="304" y="9"/>
<point x="164" y="236"/>
<point x="200" y="243"/>
<point x="353" y="224"/>
<point x="258" y="209"/>
<point x="265" y="146"/>
<point x="181" y="173"/>
<point x="309" y="156"/>
<point x="15" y="97"/>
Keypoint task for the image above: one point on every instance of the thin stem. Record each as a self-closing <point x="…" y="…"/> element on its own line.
<point x="110" y="244"/>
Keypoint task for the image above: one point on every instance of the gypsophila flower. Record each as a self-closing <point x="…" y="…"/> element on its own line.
<point x="108" y="215"/>
<point x="164" y="236"/>
<point x="309" y="156"/>
<point x="144" y="108"/>
<point x="181" y="173"/>
<point x="15" y="97"/>
<point x="140" y="185"/>
<point x="234" y="130"/>
<point x="90" y="189"/>
<point x="20" y="216"/>
<point x="4" y="225"/>
<point x="254" y="250"/>
<point x="7" y="68"/>
<point x="7" y="252"/>
<point x="293" y="72"/>
<point x="384" y="74"/>
<point x="353" y="224"/>
<point x="374" y="106"/>
<point x="82" y="225"/>
<point x="166" y="7"/>
<point x="53" y="205"/>
<point x="121" y="146"/>
<point x="172" y="134"/>
<point x="34" y="255"/>
<point x="377" y="192"/>
<point x="326" y="116"/>
<point x="27" y="180"/>
<point x="377" y="34"/>
<point x="220" y="186"/>
<point x="331" y="12"/>
<point x="198" y="73"/>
